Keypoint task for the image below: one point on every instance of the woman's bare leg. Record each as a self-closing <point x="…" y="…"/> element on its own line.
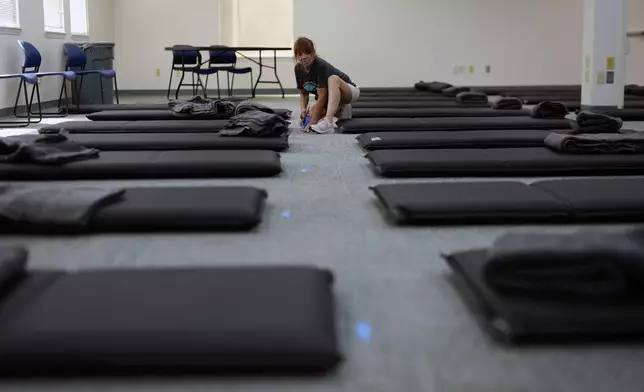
<point x="339" y="95"/>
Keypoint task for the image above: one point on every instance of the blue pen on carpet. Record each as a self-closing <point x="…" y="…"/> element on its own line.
<point x="363" y="331"/>
<point x="286" y="214"/>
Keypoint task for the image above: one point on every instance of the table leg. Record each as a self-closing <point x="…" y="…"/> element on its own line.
<point x="275" y="70"/>
<point x="261" y="68"/>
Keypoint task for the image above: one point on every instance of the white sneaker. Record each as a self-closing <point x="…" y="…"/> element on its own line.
<point x="324" y="126"/>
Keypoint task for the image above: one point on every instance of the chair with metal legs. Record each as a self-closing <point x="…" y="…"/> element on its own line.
<point x="31" y="65"/>
<point x="77" y="62"/>
<point x="185" y="58"/>
<point x="27" y="79"/>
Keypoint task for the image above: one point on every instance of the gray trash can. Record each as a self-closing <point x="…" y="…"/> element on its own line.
<point x="100" y="55"/>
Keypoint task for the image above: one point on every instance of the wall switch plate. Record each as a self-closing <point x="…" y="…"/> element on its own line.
<point x="158" y="72"/>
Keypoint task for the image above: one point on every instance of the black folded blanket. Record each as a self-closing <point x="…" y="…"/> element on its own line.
<point x="454" y="91"/>
<point x="550" y="110"/>
<point x="421" y="86"/>
<point x="60" y="207"/>
<point x="597" y="143"/>
<point x="582" y="266"/>
<point x="255" y="123"/>
<point x="437" y="87"/>
<point x="508" y="103"/>
<point x="49" y="150"/>
<point x="589" y="122"/>
<point x="471" y="96"/>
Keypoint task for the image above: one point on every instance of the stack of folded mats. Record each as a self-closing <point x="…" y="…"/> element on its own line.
<point x="214" y="320"/>
<point x="56" y="158"/>
<point x="194" y="109"/>
<point x="570" y="200"/>
<point x="531" y="287"/>
<point x="85" y="209"/>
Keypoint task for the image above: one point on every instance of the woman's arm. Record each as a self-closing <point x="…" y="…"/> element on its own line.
<point x="304" y="100"/>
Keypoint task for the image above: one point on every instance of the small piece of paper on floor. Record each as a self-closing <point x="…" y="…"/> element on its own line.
<point x="363" y="331"/>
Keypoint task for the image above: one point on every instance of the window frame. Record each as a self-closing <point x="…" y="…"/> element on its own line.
<point x="13" y="30"/>
<point x="71" y="26"/>
<point x="52" y="32"/>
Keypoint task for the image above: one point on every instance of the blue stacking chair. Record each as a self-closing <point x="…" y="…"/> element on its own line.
<point x="185" y="58"/>
<point x="27" y="79"/>
<point x="77" y="61"/>
<point x="221" y="59"/>
<point x="31" y="65"/>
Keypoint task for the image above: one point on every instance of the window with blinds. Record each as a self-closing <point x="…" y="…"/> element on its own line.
<point x="78" y="16"/>
<point x="9" y="13"/>
<point x="54" y="16"/>
<point x="256" y="22"/>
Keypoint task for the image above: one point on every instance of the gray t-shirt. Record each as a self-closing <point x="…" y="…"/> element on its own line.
<point x="318" y="77"/>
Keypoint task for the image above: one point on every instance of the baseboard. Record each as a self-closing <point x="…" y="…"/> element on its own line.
<point x="212" y="93"/>
<point x="8" y="112"/>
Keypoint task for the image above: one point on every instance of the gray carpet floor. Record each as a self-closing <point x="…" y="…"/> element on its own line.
<point x="321" y="212"/>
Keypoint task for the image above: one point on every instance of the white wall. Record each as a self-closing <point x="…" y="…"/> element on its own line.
<point x="384" y="42"/>
<point x="524" y="42"/>
<point x="51" y="47"/>
<point x="101" y="20"/>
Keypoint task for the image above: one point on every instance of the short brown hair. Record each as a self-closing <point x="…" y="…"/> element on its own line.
<point x="303" y="45"/>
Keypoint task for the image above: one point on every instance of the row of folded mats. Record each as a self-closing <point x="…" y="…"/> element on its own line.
<point x="542" y="141"/>
<point x="532" y="286"/>
<point x="443" y="95"/>
<point x="170" y="148"/>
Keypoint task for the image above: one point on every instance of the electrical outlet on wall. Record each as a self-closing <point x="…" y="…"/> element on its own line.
<point x="158" y="72"/>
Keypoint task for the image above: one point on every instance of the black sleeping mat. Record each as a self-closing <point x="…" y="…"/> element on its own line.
<point x="189" y="126"/>
<point x="626" y="114"/>
<point x="503" y="162"/>
<point x="452" y="139"/>
<point x="152" y="164"/>
<point x="516" y="320"/>
<point x="365" y="125"/>
<point x="436" y="112"/>
<point x="89" y="109"/>
<point x="422" y="97"/>
<point x="573" y="200"/>
<point x="629" y="100"/>
<point x="161" y="115"/>
<point x="162" y="320"/>
<point x="391" y="104"/>
<point x="162" y="209"/>
<point x="169" y="141"/>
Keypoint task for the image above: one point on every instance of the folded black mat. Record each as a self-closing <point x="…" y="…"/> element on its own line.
<point x="69" y="207"/>
<point x="471" y="96"/>
<point x="391" y="104"/>
<point x="437" y="87"/>
<point x="176" y="126"/>
<point x="255" y="123"/>
<point x="505" y="162"/>
<point x="589" y="122"/>
<point x="436" y="112"/>
<point x="89" y="109"/>
<point x="550" y="110"/>
<point x="517" y="320"/>
<point x="154" y="209"/>
<point x="365" y="125"/>
<point x="56" y="150"/>
<point x="597" y="143"/>
<point x="507" y="103"/>
<point x="421" y="86"/>
<point x="452" y="139"/>
<point x="497" y="202"/>
<point x="198" y="106"/>
<point x="585" y="266"/>
<point x="158" y="321"/>
<point x="454" y="91"/>
<point x="169" y="141"/>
